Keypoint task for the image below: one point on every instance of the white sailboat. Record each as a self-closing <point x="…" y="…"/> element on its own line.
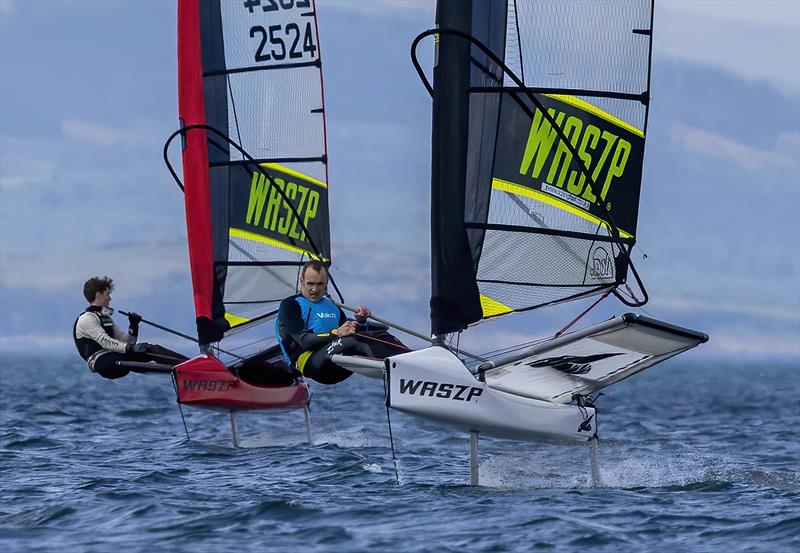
<point x="539" y="123"/>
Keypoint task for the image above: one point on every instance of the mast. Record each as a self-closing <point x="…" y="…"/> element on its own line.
<point x="454" y="301"/>
<point x="192" y="109"/>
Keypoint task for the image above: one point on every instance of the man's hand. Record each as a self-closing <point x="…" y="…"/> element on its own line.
<point x="348" y="328"/>
<point x="363" y="313"/>
<point x="133" y="323"/>
<point x="137" y="348"/>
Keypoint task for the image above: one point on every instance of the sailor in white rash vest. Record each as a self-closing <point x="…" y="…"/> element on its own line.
<point x="101" y="343"/>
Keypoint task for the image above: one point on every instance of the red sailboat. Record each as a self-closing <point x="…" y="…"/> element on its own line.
<point x="255" y="180"/>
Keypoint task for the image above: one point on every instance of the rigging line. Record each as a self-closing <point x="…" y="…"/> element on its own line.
<point x="175" y="332"/>
<point x="630" y="293"/>
<point x="219" y="146"/>
<point x="180" y="408"/>
<point x="519" y="42"/>
<point x="579" y="317"/>
<point x="525" y="345"/>
<point x="503" y="351"/>
<point x="233" y="104"/>
<point x="500" y="351"/>
<point x="237" y="348"/>
<point x="389" y="424"/>
<point x="486" y="70"/>
<point x="407" y="330"/>
<point x="299" y="269"/>
<point x="373" y="338"/>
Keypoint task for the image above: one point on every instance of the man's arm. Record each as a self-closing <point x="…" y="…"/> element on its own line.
<point x="120" y="335"/>
<point x="89" y="327"/>
<point x="362" y="314"/>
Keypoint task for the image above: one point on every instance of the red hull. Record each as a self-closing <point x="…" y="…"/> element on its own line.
<point x="206" y="382"/>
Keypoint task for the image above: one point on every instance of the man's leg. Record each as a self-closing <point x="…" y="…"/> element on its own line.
<point x="382" y="343"/>
<point x="163" y="355"/>
<point x="320" y="368"/>
<point x="106" y="366"/>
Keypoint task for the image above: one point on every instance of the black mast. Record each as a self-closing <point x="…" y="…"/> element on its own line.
<point x="455" y="300"/>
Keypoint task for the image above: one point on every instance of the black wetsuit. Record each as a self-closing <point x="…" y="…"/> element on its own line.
<point x="309" y="341"/>
<point x="101" y="344"/>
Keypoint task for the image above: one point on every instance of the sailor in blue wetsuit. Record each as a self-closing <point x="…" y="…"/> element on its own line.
<point x="310" y="328"/>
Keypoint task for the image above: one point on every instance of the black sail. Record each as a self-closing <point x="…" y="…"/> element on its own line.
<point x="539" y="120"/>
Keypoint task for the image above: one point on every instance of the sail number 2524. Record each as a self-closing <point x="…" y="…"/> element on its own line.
<point x="277" y="42"/>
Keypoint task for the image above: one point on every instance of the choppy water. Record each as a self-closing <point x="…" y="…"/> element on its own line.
<point x="693" y="457"/>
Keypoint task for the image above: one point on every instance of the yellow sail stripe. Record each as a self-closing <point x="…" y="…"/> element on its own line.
<point x="294" y="173"/>
<point x="596" y="111"/>
<point x="239" y="233"/>
<point x="235" y="320"/>
<point x="506" y="186"/>
<point x="493" y="307"/>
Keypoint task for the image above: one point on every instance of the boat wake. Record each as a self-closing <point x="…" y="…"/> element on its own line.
<point x="627" y="468"/>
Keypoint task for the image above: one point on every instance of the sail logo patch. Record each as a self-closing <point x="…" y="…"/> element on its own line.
<point x="457" y="392"/>
<point x="267" y="206"/>
<point x="572" y="364"/>
<point x="565" y="196"/>
<point x="604" y="154"/>
<point x="208" y="385"/>
<point x="280" y="207"/>
<point x="333" y="345"/>
<point x="574" y="153"/>
<point x="601" y="265"/>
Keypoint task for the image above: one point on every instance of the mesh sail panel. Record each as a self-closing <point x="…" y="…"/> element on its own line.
<point x="261" y="89"/>
<point x="580" y="44"/>
<point x="555" y="145"/>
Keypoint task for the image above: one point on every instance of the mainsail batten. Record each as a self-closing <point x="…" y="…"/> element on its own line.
<point x="552" y="170"/>
<point x="255" y="157"/>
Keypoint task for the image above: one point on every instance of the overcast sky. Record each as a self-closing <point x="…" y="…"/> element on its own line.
<point x="88" y="96"/>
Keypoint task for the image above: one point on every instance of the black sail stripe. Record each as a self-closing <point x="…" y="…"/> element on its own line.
<point x="550" y="232"/>
<point x="250" y="68"/>
<point x="235" y="162"/>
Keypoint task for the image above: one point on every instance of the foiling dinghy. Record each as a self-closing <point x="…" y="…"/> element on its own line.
<point x="539" y="122"/>
<point x="255" y="180"/>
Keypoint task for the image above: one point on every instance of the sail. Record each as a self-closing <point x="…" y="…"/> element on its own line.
<point x="539" y="120"/>
<point x="254" y="157"/>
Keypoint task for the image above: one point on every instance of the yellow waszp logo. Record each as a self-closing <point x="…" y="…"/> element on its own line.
<point x="268" y="209"/>
<point x="603" y="153"/>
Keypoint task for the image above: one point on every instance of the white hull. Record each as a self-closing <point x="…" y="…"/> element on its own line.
<point x="433" y="383"/>
<point x="527" y="396"/>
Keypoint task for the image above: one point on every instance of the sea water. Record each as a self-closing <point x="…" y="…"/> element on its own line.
<point x="694" y="456"/>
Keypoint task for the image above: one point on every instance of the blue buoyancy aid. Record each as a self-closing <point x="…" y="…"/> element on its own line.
<point x="321" y="318"/>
